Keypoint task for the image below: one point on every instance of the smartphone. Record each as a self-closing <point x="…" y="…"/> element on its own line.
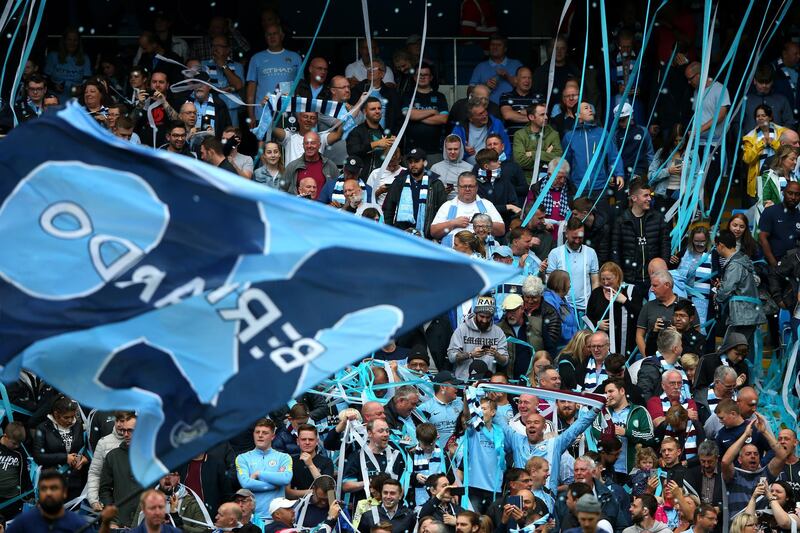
<point x="515" y="501"/>
<point x="456" y="491"/>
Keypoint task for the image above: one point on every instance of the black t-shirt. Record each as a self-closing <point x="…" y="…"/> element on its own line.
<point x="226" y="165"/>
<point x="518" y="102"/>
<point x="422" y="135"/>
<point x="10" y="472"/>
<point x="301" y="475"/>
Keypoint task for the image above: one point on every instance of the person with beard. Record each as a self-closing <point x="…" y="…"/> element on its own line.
<point x="643" y="512"/>
<point x="116" y="478"/>
<point x="101" y="449"/>
<point x="632" y="424"/>
<point x="49" y="514"/>
<point x="494" y="186"/>
<point x="181" y="503"/>
<point x="176" y="140"/>
<point x="477" y="337"/>
<point x="415" y="196"/>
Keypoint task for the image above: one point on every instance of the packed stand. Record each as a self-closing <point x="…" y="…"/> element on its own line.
<point x="601" y="303"/>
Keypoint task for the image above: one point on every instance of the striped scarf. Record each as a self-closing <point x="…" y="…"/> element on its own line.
<point x="787" y="71"/>
<point x="690" y="441"/>
<point x="405" y="208"/>
<point x="713" y="400"/>
<point x="209" y="113"/>
<point x="622" y="70"/>
<point x="563" y="202"/>
<point x="277" y="104"/>
<point x="473" y="397"/>
<point x="593" y="376"/>
<point x="685" y="391"/>
<point x="338" y="190"/>
<point x="428" y="465"/>
<point x="768" y="151"/>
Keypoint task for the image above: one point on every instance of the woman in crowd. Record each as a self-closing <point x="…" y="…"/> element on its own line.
<point x="625" y="308"/>
<point x="558" y="285"/>
<point x="270" y="172"/>
<point x="774" y="179"/>
<point x="58" y="442"/>
<point x="572" y="360"/>
<point x="759" y="144"/>
<point x="482" y="224"/>
<point x="778" y="500"/>
<point x="96" y="100"/>
<point x="68" y="66"/>
<point x="467" y="242"/>
<point x="744" y="523"/>
<point x="695" y="268"/>
<point x="666" y="168"/>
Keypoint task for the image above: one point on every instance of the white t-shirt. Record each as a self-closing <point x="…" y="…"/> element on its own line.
<point x="244" y="162"/>
<point x="386" y="179"/>
<point x="466" y="210"/>
<point x="293" y="145"/>
<point x="713" y="94"/>
<point x="358" y="70"/>
<point x="582" y="264"/>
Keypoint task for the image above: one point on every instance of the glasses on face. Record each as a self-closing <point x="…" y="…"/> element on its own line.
<point x="481" y="226"/>
<point x="178" y="135"/>
<point x="598" y="346"/>
<point x="36" y="89"/>
<point x="467" y="187"/>
<point x="126" y="431"/>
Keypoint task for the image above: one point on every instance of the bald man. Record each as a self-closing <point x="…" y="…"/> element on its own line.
<point x="787" y="438"/>
<point x="747" y="400"/>
<point x="229" y="516"/>
<point x="369" y="411"/>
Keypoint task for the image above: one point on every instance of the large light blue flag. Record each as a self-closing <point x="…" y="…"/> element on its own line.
<point x="134" y="278"/>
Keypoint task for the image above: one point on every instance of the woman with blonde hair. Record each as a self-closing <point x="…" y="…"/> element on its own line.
<point x="468" y="243"/>
<point x="774" y="179"/>
<point x="744" y="523"/>
<point x="571" y="361"/>
<point x="622" y="313"/>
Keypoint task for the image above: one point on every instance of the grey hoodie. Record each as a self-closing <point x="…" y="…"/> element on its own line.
<point x="658" y="527"/>
<point x="448" y="171"/>
<point x="467" y="337"/>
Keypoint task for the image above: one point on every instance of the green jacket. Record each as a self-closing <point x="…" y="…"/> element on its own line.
<point x="638" y="430"/>
<point x="526" y="143"/>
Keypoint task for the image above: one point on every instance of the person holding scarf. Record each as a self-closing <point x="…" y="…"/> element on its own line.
<point x="613" y="308"/>
<point x="556" y="202"/>
<point x="414" y="196"/>
<point x="774" y="179"/>
<point x="672" y="395"/>
<point x="427" y="459"/>
<point x="758" y="145"/>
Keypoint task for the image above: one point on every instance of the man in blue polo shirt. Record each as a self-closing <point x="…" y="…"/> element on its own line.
<point x="780" y="225"/>
<point x="498" y="72"/>
<point x="445" y="407"/>
<point x="268" y="69"/>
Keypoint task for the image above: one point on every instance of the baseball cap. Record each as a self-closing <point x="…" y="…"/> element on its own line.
<point x="353" y="164"/>
<point x="445" y="376"/>
<point x="502" y="251"/>
<point x="478" y="370"/>
<point x="485" y="305"/>
<point x="512" y="301"/>
<point x="586" y="504"/>
<point x="416" y="153"/>
<point x="244" y="493"/>
<point x="280" y="503"/>
<point x="626" y="110"/>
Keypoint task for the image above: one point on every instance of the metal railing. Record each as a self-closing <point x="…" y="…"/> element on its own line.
<point x="458" y="47"/>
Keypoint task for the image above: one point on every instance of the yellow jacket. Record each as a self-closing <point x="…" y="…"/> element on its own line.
<point x="753" y="147"/>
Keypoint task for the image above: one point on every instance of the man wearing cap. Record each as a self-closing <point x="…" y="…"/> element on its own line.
<point x="633" y="142"/>
<point x="414" y="196"/>
<point x="282" y="512"/>
<point x="455" y="215"/>
<point x="477" y="337"/>
<point x="503" y="254"/>
<point x="311" y="164"/>
<point x="589" y="513"/>
<point x="229" y="518"/>
<point x="262" y="470"/>
<point x="515" y="325"/>
<point x="732" y="353"/>
<point x="333" y="192"/>
<point x="445" y="407"/>
<point x="246" y="501"/>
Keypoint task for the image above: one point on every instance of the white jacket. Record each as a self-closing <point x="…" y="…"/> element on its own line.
<point x="104" y="445"/>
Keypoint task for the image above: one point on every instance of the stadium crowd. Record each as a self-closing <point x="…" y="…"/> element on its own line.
<point x="602" y="302"/>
